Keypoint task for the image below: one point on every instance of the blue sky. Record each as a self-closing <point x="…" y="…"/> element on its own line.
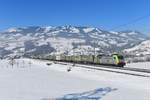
<point x="106" y="14"/>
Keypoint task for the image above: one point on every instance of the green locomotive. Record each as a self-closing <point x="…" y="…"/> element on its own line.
<point x="114" y="59"/>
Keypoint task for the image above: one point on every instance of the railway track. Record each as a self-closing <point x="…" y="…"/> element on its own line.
<point x="128" y="73"/>
<point x="127" y="68"/>
<point x="124" y="70"/>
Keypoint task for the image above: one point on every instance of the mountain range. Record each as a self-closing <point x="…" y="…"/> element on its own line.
<point x="50" y="40"/>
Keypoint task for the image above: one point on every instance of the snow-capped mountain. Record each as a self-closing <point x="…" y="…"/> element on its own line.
<point x="141" y="49"/>
<point x="35" y="40"/>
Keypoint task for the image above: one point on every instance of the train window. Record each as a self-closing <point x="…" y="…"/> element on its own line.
<point x="120" y="57"/>
<point x="114" y="58"/>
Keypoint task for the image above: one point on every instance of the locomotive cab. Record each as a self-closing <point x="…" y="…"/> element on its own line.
<point x="119" y="60"/>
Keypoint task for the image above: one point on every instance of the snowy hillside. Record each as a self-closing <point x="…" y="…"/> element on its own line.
<point x="37" y="40"/>
<point x="31" y="79"/>
<point x="142" y="49"/>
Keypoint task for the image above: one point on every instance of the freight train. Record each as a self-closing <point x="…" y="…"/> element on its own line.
<point x="113" y="60"/>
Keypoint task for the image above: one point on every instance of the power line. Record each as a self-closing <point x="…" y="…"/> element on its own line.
<point x="131" y="22"/>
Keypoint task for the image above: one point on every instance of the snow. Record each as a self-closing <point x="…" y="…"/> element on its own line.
<point x="17" y="35"/>
<point x="40" y="36"/>
<point x="103" y="43"/>
<point x="34" y="80"/>
<point x="145" y="65"/>
<point x="124" y="35"/>
<point x="63" y="44"/>
<point x="132" y="33"/>
<point x="121" y="44"/>
<point x="13" y="30"/>
<point x="86" y="30"/>
<point x="54" y="32"/>
<point x="142" y="48"/>
<point x="48" y="28"/>
<point x="112" y="41"/>
<point x="98" y="30"/>
<point x="74" y="30"/>
<point x="103" y="35"/>
<point x="97" y="35"/>
<point x="113" y="32"/>
<point x="82" y="49"/>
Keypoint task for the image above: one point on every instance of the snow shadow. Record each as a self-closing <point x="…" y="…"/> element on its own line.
<point x="96" y="94"/>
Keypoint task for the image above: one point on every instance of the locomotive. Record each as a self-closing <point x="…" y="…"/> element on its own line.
<point x="113" y="60"/>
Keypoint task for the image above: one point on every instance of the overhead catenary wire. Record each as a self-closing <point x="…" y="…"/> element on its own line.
<point x="131" y="22"/>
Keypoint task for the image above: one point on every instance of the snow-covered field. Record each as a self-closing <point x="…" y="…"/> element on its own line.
<point x="145" y="65"/>
<point x="34" y="80"/>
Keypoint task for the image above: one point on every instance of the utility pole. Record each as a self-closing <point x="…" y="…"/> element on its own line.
<point x="73" y="49"/>
<point x="94" y="52"/>
<point x="73" y="54"/>
<point x="80" y="52"/>
<point x="12" y="62"/>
